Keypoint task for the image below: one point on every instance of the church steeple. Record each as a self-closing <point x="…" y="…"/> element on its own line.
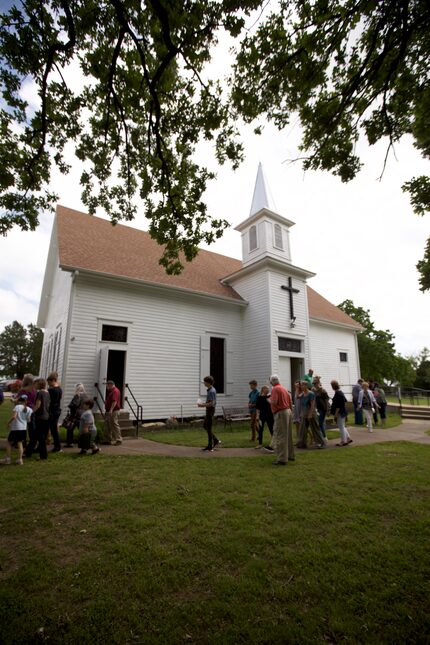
<point x="262" y="197"/>
<point x="264" y="232"/>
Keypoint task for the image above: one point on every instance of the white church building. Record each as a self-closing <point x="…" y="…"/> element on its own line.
<point x="109" y="311"/>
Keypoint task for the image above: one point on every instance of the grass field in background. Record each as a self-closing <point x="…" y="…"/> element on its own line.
<point x="409" y="400"/>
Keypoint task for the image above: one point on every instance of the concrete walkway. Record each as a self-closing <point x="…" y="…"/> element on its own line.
<point x="410" y="430"/>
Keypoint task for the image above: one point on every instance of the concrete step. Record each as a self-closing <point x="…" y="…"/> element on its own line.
<point x="415" y="412"/>
<point x="128" y="429"/>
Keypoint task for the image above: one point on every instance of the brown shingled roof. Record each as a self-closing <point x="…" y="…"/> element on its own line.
<point x="322" y="309"/>
<point x="124" y="251"/>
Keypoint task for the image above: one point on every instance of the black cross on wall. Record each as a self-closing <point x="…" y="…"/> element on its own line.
<point x="290" y="290"/>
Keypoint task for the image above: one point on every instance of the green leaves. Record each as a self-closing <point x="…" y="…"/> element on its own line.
<point x="378" y="358"/>
<point x="135" y="119"/>
<point x="20" y="349"/>
<point x="144" y="99"/>
<point x="345" y="68"/>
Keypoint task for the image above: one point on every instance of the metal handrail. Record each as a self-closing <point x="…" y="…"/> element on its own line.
<point x="138" y="413"/>
<point x="132" y="395"/>
<point x="96" y="399"/>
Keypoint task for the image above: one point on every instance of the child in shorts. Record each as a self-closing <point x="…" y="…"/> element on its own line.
<point x="87" y="429"/>
<point x="21" y="415"/>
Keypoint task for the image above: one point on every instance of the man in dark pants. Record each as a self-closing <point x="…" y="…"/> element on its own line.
<point x="210" y="405"/>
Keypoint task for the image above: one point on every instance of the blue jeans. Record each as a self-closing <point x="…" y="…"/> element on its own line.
<point x="321" y="421"/>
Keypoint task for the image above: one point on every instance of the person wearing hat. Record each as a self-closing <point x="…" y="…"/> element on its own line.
<point x="21" y="415"/>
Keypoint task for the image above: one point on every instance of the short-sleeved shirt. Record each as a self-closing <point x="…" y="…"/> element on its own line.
<point x="113" y="396"/>
<point x="55" y="394"/>
<point x="253" y="396"/>
<point x="309" y="379"/>
<point x="280" y="399"/>
<point x="87" y="419"/>
<point x="42" y="412"/>
<point x="23" y="416"/>
<point x="211" y="396"/>
<point x="263" y="405"/>
<point x="306" y="402"/>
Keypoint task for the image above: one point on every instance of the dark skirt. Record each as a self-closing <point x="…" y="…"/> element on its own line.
<point x="17" y="435"/>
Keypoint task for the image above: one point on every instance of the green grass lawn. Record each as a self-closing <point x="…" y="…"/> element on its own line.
<point x="233" y="436"/>
<point x="142" y="550"/>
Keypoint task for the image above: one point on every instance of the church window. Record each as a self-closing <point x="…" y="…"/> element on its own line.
<point x="217" y="363"/>
<point x="289" y="344"/>
<point x="56" y="351"/>
<point x="278" y="237"/>
<point x="253" y="238"/>
<point x="114" y="333"/>
<point x="343" y="357"/>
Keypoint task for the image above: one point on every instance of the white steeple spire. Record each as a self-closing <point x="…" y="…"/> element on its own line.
<point x="262" y="197"/>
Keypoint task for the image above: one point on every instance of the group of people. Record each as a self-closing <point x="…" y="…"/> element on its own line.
<point x="368" y="397"/>
<point x="36" y="413"/>
<point x="306" y="408"/>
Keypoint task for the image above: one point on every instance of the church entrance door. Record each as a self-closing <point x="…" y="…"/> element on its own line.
<point x="112" y="368"/>
<point x="290" y="370"/>
<point x="116" y="370"/>
<point x="297" y="370"/>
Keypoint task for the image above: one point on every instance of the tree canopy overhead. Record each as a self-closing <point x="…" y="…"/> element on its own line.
<point x="345" y="68"/>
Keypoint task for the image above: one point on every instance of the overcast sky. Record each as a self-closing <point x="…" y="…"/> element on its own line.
<point x="361" y="239"/>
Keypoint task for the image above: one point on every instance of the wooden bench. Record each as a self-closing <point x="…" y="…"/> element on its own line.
<point x="235" y="414"/>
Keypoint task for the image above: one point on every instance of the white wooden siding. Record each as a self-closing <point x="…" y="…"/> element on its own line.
<point x="280" y="307"/>
<point x="56" y="323"/>
<point x="327" y="342"/>
<point x="256" y="328"/>
<point x="163" y="349"/>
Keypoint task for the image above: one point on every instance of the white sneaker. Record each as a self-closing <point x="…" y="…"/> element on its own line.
<point x="19" y="462"/>
<point x="5" y="461"/>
